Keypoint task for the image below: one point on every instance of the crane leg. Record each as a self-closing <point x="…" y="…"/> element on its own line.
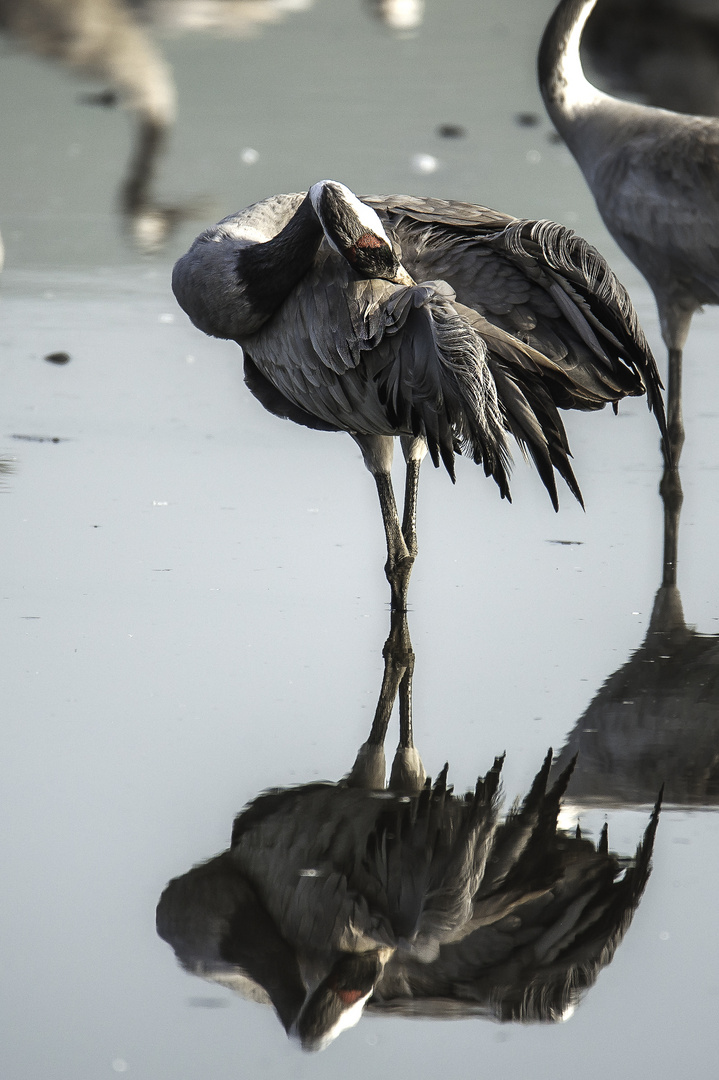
<point x="414" y="450"/>
<point x="377" y="451"/>
<point x="400" y="560"/>
<point x="407" y="773"/>
<point x="675" y="422"/>
<point x="368" y="770"/>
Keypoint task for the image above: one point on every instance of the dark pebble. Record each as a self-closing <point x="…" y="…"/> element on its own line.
<point x="451" y="131"/>
<point x="58" y="357"/>
<point x="105" y="99"/>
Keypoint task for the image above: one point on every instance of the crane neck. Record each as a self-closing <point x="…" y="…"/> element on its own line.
<point x="272" y="269"/>
<point x="568" y="95"/>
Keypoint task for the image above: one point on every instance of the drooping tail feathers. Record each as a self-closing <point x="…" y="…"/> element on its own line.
<point x="463" y="384"/>
<point x="603" y="311"/>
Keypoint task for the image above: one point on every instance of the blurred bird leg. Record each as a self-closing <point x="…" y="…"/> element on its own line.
<point x="102" y="39"/>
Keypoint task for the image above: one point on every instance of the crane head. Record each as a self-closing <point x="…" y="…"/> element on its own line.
<point x="356" y="232"/>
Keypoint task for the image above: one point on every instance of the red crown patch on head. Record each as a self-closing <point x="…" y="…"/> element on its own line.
<point x="368" y="240"/>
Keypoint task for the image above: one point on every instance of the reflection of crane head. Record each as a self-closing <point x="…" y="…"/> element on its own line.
<point x="339" y="1000"/>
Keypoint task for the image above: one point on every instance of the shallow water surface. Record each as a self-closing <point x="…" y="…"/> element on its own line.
<point x="193" y="602"/>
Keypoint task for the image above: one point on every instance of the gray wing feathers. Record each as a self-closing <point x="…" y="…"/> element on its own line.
<point x="540" y="282"/>
<point x="442" y="211"/>
<point x="375" y="358"/>
<point x="429" y="854"/>
<point x="523" y="317"/>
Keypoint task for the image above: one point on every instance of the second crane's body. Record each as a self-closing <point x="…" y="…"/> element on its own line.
<point x="654" y="175"/>
<point x="448" y="324"/>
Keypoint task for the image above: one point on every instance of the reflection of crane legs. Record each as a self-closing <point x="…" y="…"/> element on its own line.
<point x="672" y="495"/>
<point x="407" y="773"/>
<point x="667" y="614"/>
<point x="675" y="327"/>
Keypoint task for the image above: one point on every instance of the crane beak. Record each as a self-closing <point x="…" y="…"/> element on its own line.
<point x="402" y="277"/>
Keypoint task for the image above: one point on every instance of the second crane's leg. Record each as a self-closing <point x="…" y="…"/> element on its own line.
<point x="675" y="421"/>
<point x="414" y="450"/>
<point x="676" y="320"/>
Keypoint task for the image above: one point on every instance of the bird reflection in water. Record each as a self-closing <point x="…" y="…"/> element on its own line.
<point x="656" y="719"/>
<point x="111" y="41"/>
<point x="336" y="897"/>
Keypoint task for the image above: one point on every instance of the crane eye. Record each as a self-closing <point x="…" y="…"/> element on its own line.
<point x="372" y="256"/>
<point x="364" y="248"/>
<point x="369" y="240"/>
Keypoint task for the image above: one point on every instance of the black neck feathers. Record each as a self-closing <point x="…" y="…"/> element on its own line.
<point x="271" y="270"/>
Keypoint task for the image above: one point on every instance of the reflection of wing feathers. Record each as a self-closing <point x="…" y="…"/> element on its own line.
<point x="429" y="853"/>
<point x="520" y="851"/>
<point x="537" y="953"/>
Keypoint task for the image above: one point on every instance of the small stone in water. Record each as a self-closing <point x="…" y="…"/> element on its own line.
<point x="451" y="131"/>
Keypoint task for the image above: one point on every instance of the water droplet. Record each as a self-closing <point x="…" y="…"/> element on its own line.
<point x="424" y="163"/>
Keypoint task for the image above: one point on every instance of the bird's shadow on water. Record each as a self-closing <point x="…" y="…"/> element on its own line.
<point x="402" y="897"/>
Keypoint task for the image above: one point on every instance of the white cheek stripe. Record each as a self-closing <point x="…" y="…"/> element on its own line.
<point x="364" y="214"/>
<point x="347" y="1019"/>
